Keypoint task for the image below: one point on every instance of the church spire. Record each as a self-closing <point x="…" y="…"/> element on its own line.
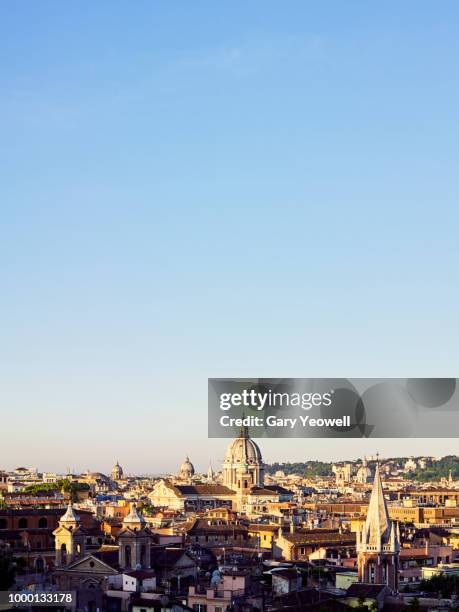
<point x="210" y="472"/>
<point x="377" y="523"/>
<point x="378" y="544"/>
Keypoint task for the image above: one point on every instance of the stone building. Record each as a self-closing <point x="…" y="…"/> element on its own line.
<point x="69" y="538"/>
<point x="243" y="487"/>
<point x="134" y="541"/>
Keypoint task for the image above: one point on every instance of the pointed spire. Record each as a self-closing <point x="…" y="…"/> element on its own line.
<point x="377" y="522"/>
<point x="210" y="472"/>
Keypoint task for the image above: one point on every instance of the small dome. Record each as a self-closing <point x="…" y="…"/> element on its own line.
<point x="186" y="469"/>
<point x="117" y="471"/>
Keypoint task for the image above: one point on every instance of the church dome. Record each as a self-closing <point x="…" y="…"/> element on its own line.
<point x="363" y="473"/>
<point x="117" y="471"/>
<point x="243" y="465"/>
<point x="186" y="469"/>
<point x="243" y="450"/>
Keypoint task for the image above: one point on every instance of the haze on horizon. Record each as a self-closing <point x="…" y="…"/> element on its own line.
<point x="273" y="451"/>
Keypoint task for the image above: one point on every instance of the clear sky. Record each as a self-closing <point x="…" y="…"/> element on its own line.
<point x="194" y="189"/>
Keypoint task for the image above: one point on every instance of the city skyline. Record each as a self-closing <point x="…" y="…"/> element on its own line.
<point x="384" y="448"/>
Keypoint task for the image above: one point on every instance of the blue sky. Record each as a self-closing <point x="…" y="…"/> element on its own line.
<point x="218" y="189"/>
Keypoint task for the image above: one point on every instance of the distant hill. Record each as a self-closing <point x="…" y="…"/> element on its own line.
<point x="435" y="470"/>
<point x="438" y="470"/>
<point x="306" y="469"/>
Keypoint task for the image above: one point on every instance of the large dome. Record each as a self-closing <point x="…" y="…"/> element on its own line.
<point x="243" y="450"/>
<point x="243" y="464"/>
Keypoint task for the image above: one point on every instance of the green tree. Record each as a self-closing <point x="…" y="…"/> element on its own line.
<point x="444" y="584"/>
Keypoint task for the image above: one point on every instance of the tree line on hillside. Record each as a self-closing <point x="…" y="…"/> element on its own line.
<point x="306" y="468"/>
<point x="437" y="470"/>
<point x="434" y="471"/>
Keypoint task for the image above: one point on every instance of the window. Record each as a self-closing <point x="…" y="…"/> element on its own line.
<point x="2" y="523"/>
<point x="22" y="524"/>
<point x="42" y="523"/>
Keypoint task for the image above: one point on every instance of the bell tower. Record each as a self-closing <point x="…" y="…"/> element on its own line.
<point x="69" y="538"/>
<point x="378" y="543"/>
<point x="134" y="542"/>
